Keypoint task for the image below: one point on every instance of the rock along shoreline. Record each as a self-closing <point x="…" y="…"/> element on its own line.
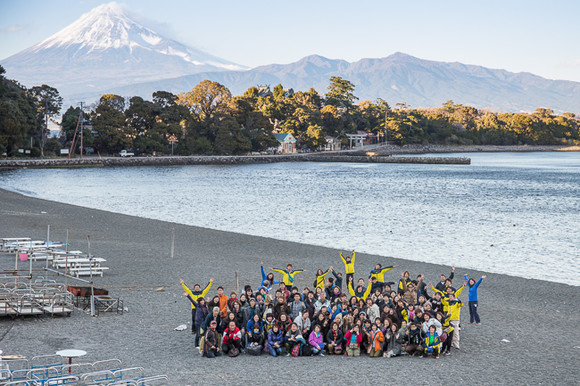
<point x="221" y="160"/>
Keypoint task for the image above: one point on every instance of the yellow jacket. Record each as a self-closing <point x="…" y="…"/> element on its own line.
<point x="453" y="308"/>
<point x="380" y="275"/>
<point x="445" y="298"/>
<point x="196" y="294"/>
<point x="287" y="277"/>
<point x="320" y="279"/>
<point x="446" y="295"/>
<point x="364" y="296"/>
<point x="349" y="267"/>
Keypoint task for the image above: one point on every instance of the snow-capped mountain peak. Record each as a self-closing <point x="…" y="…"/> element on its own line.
<point x="106" y="26"/>
<point x="109" y="26"/>
<point x="107" y="48"/>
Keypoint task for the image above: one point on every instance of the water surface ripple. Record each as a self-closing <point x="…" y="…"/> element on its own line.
<point x="513" y="213"/>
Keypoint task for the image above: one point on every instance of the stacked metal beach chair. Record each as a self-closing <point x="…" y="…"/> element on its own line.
<point x="41" y="297"/>
<point x="51" y="370"/>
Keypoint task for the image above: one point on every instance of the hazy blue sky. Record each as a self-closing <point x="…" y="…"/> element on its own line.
<point x="541" y="37"/>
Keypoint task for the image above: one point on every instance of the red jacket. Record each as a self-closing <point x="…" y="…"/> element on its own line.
<point x="231" y="335"/>
<point x="348" y="336"/>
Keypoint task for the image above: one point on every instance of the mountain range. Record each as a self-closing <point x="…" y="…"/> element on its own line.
<point x="106" y="51"/>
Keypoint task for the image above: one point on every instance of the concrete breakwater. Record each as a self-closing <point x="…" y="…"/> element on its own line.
<point x="220" y="160"/>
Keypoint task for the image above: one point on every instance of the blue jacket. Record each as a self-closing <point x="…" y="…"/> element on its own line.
<point x="473" y="289"/>
<point x="275" y="338"/>
<point x="201" y="312"/>
<point x="251" y="323"/>
<point x="265" y="277"/>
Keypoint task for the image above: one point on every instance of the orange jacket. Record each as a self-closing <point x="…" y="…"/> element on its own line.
<point x="223" y="305"/>
<point x="376" y="339"/>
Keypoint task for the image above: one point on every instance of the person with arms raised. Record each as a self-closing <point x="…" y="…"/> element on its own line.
<point x="348" y="265"/>
<point x="288" y="275"/>
<point x="195" y="294"/>
<point x="473" y="299"/>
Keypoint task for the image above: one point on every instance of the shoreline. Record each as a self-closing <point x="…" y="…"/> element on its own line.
<point x="538" y="318"/>
<point x="174" y="223"/>
<point x="442" y="149"/>
<point x="369" y="154"/>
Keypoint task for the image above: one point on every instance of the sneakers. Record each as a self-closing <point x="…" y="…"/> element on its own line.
<point x="385" y="355"/>
<point x="321" y="354"/>
<point x="478" y="324"/>
<point x="288" y="354"/>
<point x="447" y="352"/>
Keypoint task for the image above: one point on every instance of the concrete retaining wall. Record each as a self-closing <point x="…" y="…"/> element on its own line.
<point x="220" y="160"/>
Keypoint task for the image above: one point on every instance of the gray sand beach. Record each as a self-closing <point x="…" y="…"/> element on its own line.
<point x="540" y="319"/>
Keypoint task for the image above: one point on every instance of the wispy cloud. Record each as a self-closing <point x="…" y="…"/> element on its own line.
<point x="12" y="29"/>
<point x="571" y="63"/>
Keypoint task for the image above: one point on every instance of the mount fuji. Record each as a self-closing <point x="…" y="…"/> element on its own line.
<point x="105" y="48"/>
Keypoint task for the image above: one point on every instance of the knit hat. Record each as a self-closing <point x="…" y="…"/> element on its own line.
<point x="216" y="309"/>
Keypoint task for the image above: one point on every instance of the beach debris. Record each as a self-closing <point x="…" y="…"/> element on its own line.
<point x="505" y="340"/>
<point x="181" y="327"/>
<point x="160" y="289"/>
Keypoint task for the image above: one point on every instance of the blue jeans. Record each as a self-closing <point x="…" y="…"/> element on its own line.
<point x="275" y="351"/>
<point x="196" y="329"/>
<point x="315" y="351"/>
<point x="473" y="314"/>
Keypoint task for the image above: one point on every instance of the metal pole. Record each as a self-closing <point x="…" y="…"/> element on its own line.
<point x="172" y="243"/>
<point x="16" y="269"/>
<point x="66" y="260"/>
<point x="91" y="276"/>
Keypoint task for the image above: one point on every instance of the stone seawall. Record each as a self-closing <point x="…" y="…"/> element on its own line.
<point x="220" y="160"/>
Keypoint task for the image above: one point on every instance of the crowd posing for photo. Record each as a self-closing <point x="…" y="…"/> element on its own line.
<point x="373" y="317"/>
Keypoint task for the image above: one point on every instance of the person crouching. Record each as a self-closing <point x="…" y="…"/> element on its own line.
<point x="232" y="341"/>
<point x="212" y="341"/>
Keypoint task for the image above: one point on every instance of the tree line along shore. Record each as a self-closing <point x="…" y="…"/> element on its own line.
<point x="209" y="120"/>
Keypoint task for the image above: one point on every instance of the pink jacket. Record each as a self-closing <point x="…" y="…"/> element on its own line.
<point x="315" y="341"/>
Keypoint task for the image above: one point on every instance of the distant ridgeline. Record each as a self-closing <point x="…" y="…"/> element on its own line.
<point x="209" y="120"/>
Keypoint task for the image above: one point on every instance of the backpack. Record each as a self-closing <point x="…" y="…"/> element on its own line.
<point x="306" y="350"/>
<point x="295" y="350"/>
<point x="234" y="352"/>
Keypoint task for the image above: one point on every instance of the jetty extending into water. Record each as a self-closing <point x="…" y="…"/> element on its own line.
<point x="222" y="160"/>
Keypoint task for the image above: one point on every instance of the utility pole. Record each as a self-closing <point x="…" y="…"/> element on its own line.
<point x="43" y="133"/>
<point x="82" y="129"/>
<point x="386" y="127"/>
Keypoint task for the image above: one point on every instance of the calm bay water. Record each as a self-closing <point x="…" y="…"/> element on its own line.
<point x="513" y="213"/>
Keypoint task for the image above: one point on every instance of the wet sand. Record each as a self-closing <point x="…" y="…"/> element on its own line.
<point x="540" y="319"/>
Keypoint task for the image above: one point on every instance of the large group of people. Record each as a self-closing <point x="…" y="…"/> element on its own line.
<point x="337" y="316"/>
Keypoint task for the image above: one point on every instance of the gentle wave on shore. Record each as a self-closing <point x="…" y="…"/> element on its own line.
<point x="507" y="213"/>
